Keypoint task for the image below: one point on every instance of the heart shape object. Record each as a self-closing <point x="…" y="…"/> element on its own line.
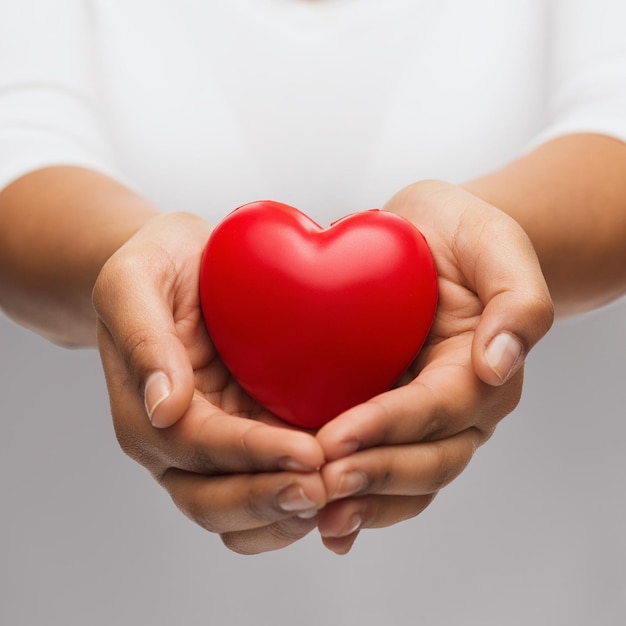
<point x="312" y="321"/>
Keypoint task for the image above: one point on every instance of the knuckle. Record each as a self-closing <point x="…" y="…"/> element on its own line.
<point x="439" y="420"/>
<point x="544" y="312"/>
<point x="381" y="416"/>
<point x="202" y="457"/>
<point x="436" y="427"/>
<point x="384" y="480"/>
<point x="447" y="466"/>
<point x="98" y="298"/>
<point x="539" y="314"/>
<point x="191" y="503"/>
<point x="288" y="531"/>
<point x="109" y="284"/>
<point x="202" y="519"/>
<point x="134" y="346"/>
<point x="198" y="513"/>
<point x="248" y="441"/>
<point x="419" y="505"/>
<point x="256" y="506"/>
<point x="131" y="444"/>
<point x="127" y="443"/>
<point x="202" y="461"/>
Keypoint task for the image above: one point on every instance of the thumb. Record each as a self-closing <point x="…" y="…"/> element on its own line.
<point x="161" y="366"/>
<point x="143" y="332"/>
<point x="518" y="310"/>
<point x="496" y="260"/>
<point x="510" y="326"/>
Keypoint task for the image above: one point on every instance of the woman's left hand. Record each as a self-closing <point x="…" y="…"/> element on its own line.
<point x="389" y="457"/>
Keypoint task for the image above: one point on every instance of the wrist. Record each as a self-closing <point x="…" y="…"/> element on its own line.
<point x="62" y="224"/>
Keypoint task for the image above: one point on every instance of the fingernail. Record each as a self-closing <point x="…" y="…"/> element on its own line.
<point x="354" y="523"/>
<point x="347" y="448"/>
<point x="291" y="465"/>
<point x="292" y="499"/>
<point x="157" y="389"/>
<point x="349" y="484"/>
<point x="503" y="355"/>
<point x="310" y="514"/>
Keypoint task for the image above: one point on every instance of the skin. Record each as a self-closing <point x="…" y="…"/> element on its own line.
<point x="570" y="197"/>
<point x="229" y="465"/>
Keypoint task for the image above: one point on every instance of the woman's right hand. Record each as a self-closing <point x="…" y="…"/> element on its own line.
<point x="227" y="463"/>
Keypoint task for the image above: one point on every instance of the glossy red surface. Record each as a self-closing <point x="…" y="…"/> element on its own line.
<point x="312" y="321"/>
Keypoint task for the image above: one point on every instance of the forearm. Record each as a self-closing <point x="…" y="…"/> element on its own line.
<point x="570" y="197"/>
<point x="58" y="227"/>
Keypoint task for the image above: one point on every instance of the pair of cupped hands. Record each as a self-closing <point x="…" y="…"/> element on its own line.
<point x="262" y="484"/>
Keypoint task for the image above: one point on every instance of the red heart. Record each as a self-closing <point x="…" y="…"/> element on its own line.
<point x="313" y="321"/>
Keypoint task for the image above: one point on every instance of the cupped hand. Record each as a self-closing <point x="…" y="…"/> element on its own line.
<point x="226" y="462"/>
<point x="389" y="457"/>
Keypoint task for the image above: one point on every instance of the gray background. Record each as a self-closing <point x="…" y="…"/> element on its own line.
<point x="532" y="533"/>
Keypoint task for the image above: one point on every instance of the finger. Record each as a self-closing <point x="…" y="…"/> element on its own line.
<point x="340" y="522"/>
<point x="138" y="297"/>
<point x="273" y="537"/>
<point x="518" y="309"/>
<point x="340" y="545"/>
<point x="227" y="504"/>
<point x="408" y="470"/>
<point x="446" y="398"/>
<point x="206" y="440"/>
<point x="223" y="443"/>
<point x="511" y="324"/>
<point x="496" y="260"/>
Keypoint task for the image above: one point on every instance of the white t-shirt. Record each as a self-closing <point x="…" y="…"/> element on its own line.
<point x="329" y="105"/>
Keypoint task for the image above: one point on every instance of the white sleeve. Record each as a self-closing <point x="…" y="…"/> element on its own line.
<point x="49" y="105"/>
<point x="588" y="69"/>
